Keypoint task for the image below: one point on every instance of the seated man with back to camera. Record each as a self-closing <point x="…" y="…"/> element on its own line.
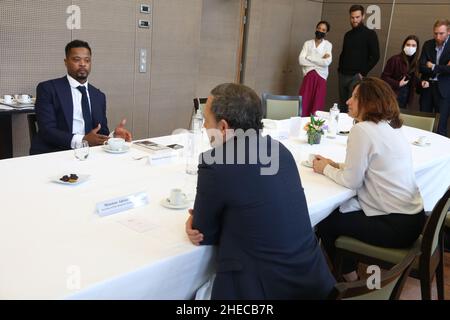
<point x="251" y="204"/>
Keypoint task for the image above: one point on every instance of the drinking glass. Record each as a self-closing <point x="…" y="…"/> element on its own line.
<point x="192" y="151"/>
<point x="82" y="150"/>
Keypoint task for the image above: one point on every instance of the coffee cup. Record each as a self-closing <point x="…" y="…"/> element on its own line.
<point x="115" y="144"/>
<point x="7" y="98"/>
<point x="311" y="158"/>
<point x="422" y="140"/>
<point x="24" y="98"/>
<point x="177" y="197"/>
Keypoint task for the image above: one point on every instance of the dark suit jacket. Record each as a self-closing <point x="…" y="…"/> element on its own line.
<point x="54" y="113"/>
<point x="429" y="54"/>
<point x="266" y="246"/>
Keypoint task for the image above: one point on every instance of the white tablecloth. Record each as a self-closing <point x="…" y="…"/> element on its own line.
<point x="54" y="246"/>
<point x="430" y="162"/>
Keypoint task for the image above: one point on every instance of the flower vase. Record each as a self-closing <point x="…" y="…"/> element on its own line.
<point x="314" y="137"/>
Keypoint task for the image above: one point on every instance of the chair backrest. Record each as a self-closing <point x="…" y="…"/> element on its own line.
<point x="447" y="220"/>
<point x="420" y="120"/>
<point x="433" y="229"/>
<point x="278" y="107"/>
<point x="391" y="283"/>
<point x="32" y="125"/>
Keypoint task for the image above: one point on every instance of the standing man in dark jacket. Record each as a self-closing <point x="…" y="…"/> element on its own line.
<point x="251" y="204"/>
<point x="360" y="53"/>
<point x="435" y="69"/>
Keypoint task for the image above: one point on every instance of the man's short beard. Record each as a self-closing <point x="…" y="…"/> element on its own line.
<point x="81" y="77"/>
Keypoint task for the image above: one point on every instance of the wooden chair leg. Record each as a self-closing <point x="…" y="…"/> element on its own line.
<point x="425" y="283"/>
<point x="440" y="277"/>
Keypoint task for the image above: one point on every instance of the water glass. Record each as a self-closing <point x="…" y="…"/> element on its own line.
<point x="192" y="151"/>
<point x="82" y="150"/>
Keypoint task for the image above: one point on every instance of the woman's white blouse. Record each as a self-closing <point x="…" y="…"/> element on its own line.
<point x="378" y="165"/>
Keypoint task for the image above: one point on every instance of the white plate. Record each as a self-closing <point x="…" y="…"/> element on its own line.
<point x="421" y="145"/>
<point x="306" y="163"/>
<point x="166" y="203"/>
<point x="81" y="178"/>
<point x="123" y="150"/>
<point x="31" y="101"/>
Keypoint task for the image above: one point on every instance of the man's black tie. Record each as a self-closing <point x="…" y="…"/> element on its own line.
<point x="86" y="110"/>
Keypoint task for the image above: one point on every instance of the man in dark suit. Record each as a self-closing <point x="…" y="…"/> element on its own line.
<point x="251" y="204"/>
<point x="69" y="110"/>
<point x="435" y="69"/>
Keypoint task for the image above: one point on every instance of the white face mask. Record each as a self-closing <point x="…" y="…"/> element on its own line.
<point x="409" y="51"/>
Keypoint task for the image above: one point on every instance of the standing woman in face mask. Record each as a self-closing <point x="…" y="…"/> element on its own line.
<point x="314" y="59"/>
<point x="401" y="71"/>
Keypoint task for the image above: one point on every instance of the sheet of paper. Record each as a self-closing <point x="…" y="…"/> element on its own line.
<point x="138" y="224"/>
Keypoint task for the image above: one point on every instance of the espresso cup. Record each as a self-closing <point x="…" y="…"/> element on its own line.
<point x="176" y="197"/>
<point x="25" y="98"/>
<point x="7" y="98"/>
<point x="311" y="158"/>
<point x="115" y="144"/>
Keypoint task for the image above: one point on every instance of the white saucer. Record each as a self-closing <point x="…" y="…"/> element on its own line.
<point x="12" y="103"/>
<point x="123" y="150"/>
<point x="421" y="145"/>
<point x="25" y="102"/>
<point x="306" y="163"/>
<point x="166" y="203"/>
<point x="81" y="178"/>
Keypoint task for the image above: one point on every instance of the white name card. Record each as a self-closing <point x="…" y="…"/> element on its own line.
<point x="116" y="205"/>
<point x="163" y="158"/>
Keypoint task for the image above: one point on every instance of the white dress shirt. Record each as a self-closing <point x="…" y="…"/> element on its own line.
<point x="78" y="120"/>
<point x="378" y="165"/>
<point x="310" y="57"/>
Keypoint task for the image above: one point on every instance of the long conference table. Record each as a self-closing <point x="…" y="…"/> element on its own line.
<point x="53" y="244"/>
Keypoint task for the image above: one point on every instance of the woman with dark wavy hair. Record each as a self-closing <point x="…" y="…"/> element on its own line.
<point x="388" y="208"/>
<point x="402" y="71"/>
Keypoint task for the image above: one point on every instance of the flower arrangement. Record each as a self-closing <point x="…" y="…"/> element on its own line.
<point x="314" y="129"/>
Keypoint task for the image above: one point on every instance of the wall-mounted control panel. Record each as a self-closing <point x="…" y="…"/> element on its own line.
<point x="145" y="8"/>
<point x="144" y="24"/>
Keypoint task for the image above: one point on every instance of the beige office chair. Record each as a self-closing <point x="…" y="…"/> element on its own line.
<point x="430" y="243"/>
<point x="278" y="107"/>
<point x="420" y="120"/>
<point x="391" y="283"/>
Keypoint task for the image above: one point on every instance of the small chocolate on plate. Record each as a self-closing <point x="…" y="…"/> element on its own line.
<point x="71" y="179"/>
